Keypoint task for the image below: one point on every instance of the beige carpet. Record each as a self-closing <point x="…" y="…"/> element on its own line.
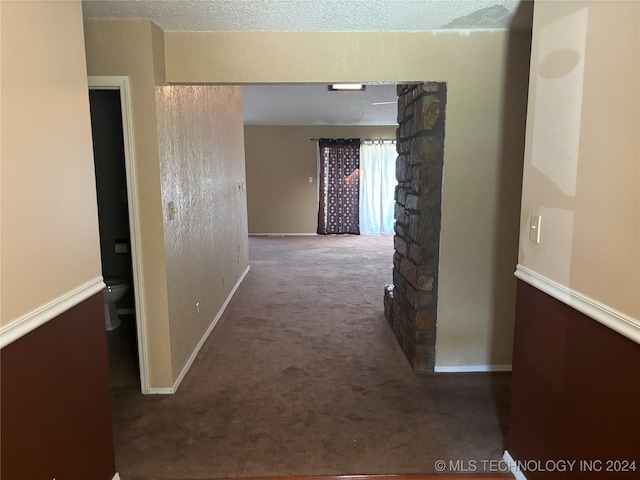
<point x="303" y="377"/>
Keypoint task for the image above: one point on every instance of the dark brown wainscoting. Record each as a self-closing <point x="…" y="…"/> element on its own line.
<point x="56" y="407"/>
<point x="574" y="391"/>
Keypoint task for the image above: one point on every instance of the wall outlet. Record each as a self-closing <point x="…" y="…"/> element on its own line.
<point x="310" y="179"/>
<point x="198" y="308"/>
<point x="534" y="228"/>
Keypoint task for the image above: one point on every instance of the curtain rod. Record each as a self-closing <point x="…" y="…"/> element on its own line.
<point x="368" y="140"/>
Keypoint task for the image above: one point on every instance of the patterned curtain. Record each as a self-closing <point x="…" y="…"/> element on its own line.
<point x="339" y="186"/>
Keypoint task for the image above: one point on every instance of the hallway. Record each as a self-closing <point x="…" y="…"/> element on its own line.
<point x="303" y="376"/>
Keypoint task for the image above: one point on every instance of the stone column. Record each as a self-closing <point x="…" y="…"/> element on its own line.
<point x="411" y="302"/>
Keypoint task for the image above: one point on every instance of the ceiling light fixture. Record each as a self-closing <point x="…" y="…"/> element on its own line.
<point x="348" y="87"/>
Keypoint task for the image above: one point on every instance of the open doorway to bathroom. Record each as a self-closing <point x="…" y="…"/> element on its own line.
<point x="118" y="262"/>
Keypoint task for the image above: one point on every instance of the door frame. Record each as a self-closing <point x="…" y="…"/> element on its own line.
<point x="121" y="83"/>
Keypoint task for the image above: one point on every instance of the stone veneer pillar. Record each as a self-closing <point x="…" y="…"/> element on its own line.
<point x="411" y="302"/>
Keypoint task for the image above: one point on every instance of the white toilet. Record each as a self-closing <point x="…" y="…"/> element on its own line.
<point x="113" y="292"/>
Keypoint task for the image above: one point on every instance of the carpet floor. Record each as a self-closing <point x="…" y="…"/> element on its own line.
<point x="302" y="376"/>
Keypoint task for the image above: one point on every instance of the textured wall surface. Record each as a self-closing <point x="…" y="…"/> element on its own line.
<point x="201" y="141"/>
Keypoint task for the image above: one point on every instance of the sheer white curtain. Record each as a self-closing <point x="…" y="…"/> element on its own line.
<point x="377" y="187"/>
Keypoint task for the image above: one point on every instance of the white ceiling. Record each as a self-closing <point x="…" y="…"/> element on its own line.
<point x="316" y="105"/>
<point x="309" y="15"/>
<point x="312" y="104"/>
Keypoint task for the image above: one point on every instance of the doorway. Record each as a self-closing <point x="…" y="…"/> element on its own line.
<point x="117" y="214"/>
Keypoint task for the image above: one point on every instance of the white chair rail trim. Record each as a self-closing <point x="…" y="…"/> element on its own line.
<point x="615" y="320"/>
<point x="32" y="320"/>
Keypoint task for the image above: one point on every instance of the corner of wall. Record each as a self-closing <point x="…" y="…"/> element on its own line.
<point x="157" y="45"/>
<point x="134" y="48"/>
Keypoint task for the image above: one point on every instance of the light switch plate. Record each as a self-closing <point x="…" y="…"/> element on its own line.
<point x="534" y="228"/>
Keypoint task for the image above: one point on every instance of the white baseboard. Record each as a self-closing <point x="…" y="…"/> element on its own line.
<point x="471" y="368"/>
<point x="517" y="473"/>
<point x="160" y="391"/>
<point x="615" y="320"/>
<point x="193" y="356"/>
<point x="32" y="320"/>
<point x="283" y="234"/>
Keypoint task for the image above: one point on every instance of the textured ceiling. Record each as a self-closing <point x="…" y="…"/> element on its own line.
<point x="313" y="104"/>
<point x="309" y="15"/>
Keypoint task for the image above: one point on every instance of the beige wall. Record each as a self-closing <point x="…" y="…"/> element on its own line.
<point x="581" y="164"/>
<point x="189" y="149"/>
<point x="157" y="46"/>
<point x="202" y="165"/>
<point x="484" y="143"/>
<point x="482" y="167"/>
<point x="50" y="243"/>
<point x="280" y="160"/>
<point x="303" y="57"/>
<point x="129" y="47"/>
